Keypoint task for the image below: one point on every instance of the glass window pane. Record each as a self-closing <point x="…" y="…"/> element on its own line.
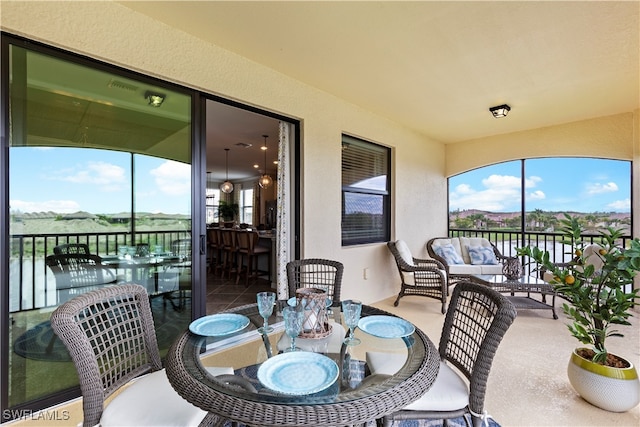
<point x="364" y="219"/>
<point x="93" y="167"/>
<point x="486" y="198"/>
<point x="364" y="165"/>
<point x="599" y="190"/>
<point x="365" y="194"/>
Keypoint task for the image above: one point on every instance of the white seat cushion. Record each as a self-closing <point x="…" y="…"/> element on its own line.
<point x="448" y="393"/>
<point x="385" y="363"/>
<point x="151" y="401"/>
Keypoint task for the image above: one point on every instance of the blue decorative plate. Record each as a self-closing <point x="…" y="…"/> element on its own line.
<point x="298" y="373"/>
<point x="386" y="326"/>
<point x="219" y="324"/>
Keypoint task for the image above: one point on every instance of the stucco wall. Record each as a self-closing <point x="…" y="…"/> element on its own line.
<point x="607" y="137"/>
<point x="113" y="33"/>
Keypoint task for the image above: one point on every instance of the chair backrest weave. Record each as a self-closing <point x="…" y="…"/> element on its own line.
<point x="71" y="248"/>
<point x="475" y="323"/>
<point x="111" y="338"/>
<point x="316" y="273"/>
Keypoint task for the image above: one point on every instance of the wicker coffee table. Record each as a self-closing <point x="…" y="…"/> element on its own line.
<point x="520" y="291"/>
<point x="345" y="402"/>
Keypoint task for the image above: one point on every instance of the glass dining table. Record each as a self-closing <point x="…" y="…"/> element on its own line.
<point x="272" y="387"/>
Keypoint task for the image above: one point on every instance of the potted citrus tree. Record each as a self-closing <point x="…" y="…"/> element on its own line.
<point x="598" y="299"/>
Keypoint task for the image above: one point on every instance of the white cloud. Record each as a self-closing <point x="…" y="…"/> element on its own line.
<point x="620" y="205"/>
<point x="500" y="192"/>
<point x="598" y="188"/>
<point x="536" y="195"/>
<point x="60" y="206"/>
<point x="108" y="177"/>
<point x="173" y="178"/>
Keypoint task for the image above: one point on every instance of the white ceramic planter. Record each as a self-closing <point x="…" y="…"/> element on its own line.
<point x="612" y="389"/>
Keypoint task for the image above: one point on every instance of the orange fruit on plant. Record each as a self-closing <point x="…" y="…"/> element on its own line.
<point x="602" y="252"/>
<point x="569" y="280"/>
<point x="578" y="252"/>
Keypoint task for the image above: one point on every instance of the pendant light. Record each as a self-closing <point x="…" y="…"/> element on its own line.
<point x="227" y="186"/>
<point x="265" y="180"/>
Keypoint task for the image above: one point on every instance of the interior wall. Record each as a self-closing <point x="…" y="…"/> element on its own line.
<point x="113" y="33"/>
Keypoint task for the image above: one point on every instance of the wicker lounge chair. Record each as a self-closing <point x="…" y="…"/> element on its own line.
<point x="477" y="319"/>
<point x="424" y="277"/>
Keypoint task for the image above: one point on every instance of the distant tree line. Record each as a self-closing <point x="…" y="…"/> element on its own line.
<point x="537" y="220"/>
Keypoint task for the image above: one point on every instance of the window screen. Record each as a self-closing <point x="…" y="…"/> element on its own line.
<point x="365" y="192"/>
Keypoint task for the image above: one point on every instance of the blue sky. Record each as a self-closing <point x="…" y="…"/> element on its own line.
<point x="559" y="184"/>
<point x="67" y="180"/>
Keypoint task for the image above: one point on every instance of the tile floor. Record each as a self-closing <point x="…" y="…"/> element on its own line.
<point x="223" y="293"/>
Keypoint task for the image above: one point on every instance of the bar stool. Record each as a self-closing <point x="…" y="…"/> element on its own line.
<point x="258" y="251"/>
<point x="244" y="253"/>
<point x="214" y="248"/>
<point x="229" y="251"/>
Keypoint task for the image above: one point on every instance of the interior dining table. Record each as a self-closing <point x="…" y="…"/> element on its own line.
<point x="150" y="271"/>
<point x="325" y="383"/>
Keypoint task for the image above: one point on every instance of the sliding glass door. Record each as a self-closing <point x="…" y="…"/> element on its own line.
<point x="99" y="163"/>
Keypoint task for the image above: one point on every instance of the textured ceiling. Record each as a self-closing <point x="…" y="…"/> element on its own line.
<point x="437" y="67"/>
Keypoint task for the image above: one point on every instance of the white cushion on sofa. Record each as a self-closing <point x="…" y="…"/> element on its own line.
<point x="465" y="269"/>
<point x="442" y="242"/>
<point x="491" y="269"/>
<point x="482" y="255"/>
<point x="449" y="253"/>
<point x="464" y="242"/>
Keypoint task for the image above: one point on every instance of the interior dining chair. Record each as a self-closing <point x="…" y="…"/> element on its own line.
<point x="77" y="272"/>
<point x="316" y="273"/>
<point x="424" y="277"/>
<point x="71" y="248"/>
<point x="111" y="338"/>
<point x="477" y="319"/>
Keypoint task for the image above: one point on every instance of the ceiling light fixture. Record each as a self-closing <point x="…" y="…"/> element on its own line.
<point x="155" y="99"/>
<point x="500" y="111"/>
<point x="227" y="186"/>
<point x="265" y="180"/>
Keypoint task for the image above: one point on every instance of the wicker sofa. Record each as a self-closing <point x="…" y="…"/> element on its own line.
<point x="464" y="256"/>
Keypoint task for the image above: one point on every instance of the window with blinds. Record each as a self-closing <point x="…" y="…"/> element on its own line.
<point x="365" y="192"/>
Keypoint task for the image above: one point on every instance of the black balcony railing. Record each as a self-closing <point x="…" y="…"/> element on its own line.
<point x="508" y="241"/>
<point x="28" y="272"/>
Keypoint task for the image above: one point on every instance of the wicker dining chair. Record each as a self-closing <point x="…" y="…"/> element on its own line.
<point x="111" y="338"/>
<point x="477" y="319"/>
<point x="316" y="273"/>
<point x="423" y="277"/>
